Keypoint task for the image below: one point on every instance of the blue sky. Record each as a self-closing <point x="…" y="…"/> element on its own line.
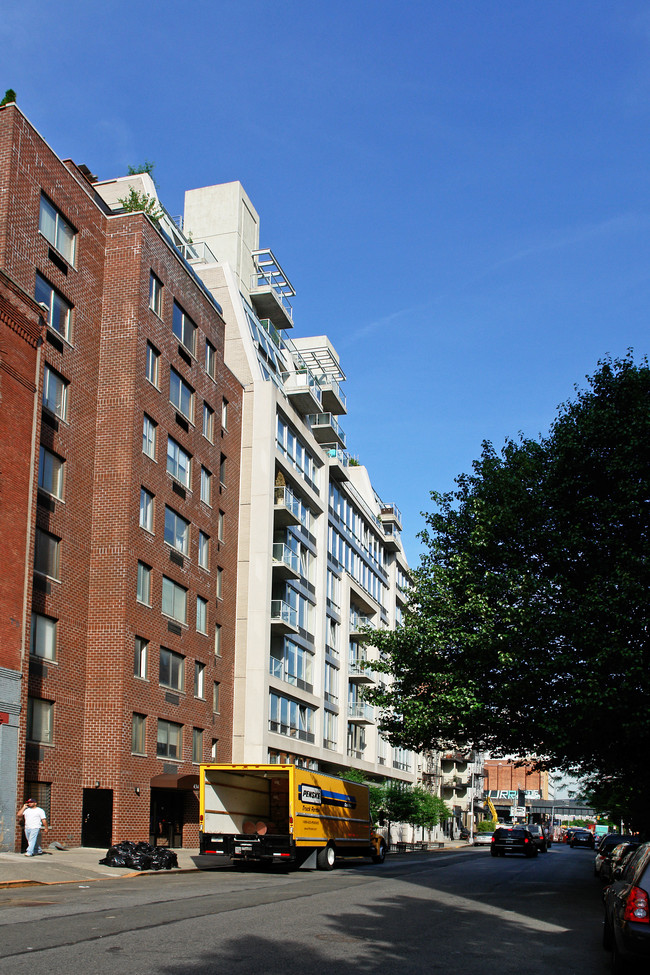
<point x="459" y="191"/>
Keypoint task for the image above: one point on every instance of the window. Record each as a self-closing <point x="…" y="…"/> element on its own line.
<point x="204" y="551"/>
<point x="210" y="360"/>
<point x="50" y="473"/>
<point x="179" y="463"/>
<point x="177" y="531"/>
<point x="214" y="749"/>
<point x="199" y="679"/>
<point x="287" y="717"/>
<point x="219" y="583"/>
<point x="201" y="615"/>
<point x="217" y="640"/>
<point x="55" y="392"/>
<point x="197" y="746"/>
<point x="174" y="600"/>
<point x="57" y="230"/>
<point x="171" y="672"/>
<point x="140" y="653"/>
<point x="143" y="594"/>
<point x="47" y="554"/>
<point x="146" y="510"/>
<point x="59" y="310"/>
<point x="224" y="414"/>
<point x="139" y="734"/>
<point x="206" y="486"/>
<point x="152" y="368"/>
<point x="331" y="684"/>
<point x="293" y="664"/>
<point x="40" y="720"/>
<point x="181" y="395"/>
<point x="169" y="740"/>
<point x="184" y="328"/>
<point x="221" y="526"/>
<point x="215" y="696"/>
<point x="43" y="637"/>
<point x="329" y="730"/>
<point x="222" y="471"/>
<point x="155" y="294"/>
<point x="208" y="423"/>
<point x="149" y="437"/>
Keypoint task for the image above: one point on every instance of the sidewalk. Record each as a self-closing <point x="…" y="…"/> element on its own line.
<point x="81" y="865"/>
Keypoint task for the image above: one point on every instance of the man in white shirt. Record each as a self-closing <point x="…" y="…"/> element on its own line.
<point x="35" y="821"/>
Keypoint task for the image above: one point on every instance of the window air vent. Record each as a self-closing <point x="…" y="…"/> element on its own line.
<point x="172" y="698"/>
<point x="185" y="356"/>
<point x="176" y="557"/>
<point x="49" y="420"/>
<point x="42" y="585"/>
<point x="57" y="261"/>
<point x="182" y="422"/>
<point x="174" y="628"/>
<point x="179" y="490"/>
<point x="54" y="341"/>
<point x="46" y="502"/>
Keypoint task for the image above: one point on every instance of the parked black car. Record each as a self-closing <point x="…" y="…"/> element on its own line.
<point x="626" y="931"/>
<point x="606" y="848"/>
<point x="618" y="858"/>
<point x="539" y="838"/>
<point x="519" y="839"/>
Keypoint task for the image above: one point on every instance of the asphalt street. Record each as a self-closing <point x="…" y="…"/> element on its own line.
<point x="463" y="911"/>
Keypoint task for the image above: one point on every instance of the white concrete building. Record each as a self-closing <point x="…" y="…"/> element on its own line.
<point x="320" y="555"/>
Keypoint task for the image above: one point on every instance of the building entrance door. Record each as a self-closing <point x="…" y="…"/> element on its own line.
<point x="97" y="818"/>
<point x="166" y="827"/>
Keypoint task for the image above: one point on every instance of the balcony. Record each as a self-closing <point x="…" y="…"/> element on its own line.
<point x="284" y="618"/>
<point x="360" y="671"/>
<point x="286" y="508"/>
<point x="273" y="333"/>
<point x="339" y="461"/>
<point x="360" y="713"/>
<point x="271" y="290"/>
<point x="392" y="540"/>
<point x="302" y="390"/>
<point x="334" y="399"/>
<point x="286" y="562"/>
<point x="358" y="623"/>
<point x="390" y="513"/>
<point x="325" y="428"/>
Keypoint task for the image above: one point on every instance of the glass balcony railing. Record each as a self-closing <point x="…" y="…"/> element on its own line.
<point x="282" y="612"/>
<point x="283" y="498"/>
<point x="360" y="712"/>
<point x="358" y="622"/>
<point x="283" y="554"/>
<point x="358" y="667"/>
<point x="302" y="381"/>
<point x="326" y="423"/>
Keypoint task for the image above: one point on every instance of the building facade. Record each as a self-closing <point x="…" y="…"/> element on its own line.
<point x="117" y="672"/>
<point x="321" y="564"/>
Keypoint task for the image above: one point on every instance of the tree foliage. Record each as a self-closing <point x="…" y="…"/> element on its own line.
<point x="527" y="630"/>
<point x="140" y="201"/>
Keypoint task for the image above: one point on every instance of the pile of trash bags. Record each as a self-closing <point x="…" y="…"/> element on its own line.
<point x="140" y="856"/>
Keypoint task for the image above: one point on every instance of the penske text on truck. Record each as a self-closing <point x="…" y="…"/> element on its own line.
<point x="284" y="814"/>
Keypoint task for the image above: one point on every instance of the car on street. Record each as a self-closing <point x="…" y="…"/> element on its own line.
<point x="539" y="838"/>
<point x="483" y="839"/>
<point x="619" y="857"/>
<point x="584" y="838"/>
<point x="519" y="839"/>
<point x="606" y="848"/>
<point x="626" y="930"/>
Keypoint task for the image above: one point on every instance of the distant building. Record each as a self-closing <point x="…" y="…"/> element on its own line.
<point x="513" y="785"/>
<point x="120" y="503"/>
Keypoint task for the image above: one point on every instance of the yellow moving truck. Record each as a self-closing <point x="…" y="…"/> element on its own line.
<point x="284" y="814"/>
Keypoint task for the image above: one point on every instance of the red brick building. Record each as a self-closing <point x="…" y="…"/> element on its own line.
<point x="124" y="632"/>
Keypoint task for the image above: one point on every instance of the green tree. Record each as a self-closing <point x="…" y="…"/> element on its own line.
<point x="528" y="627"/>
<point x="140" y="201"/>
<point x="9" y="97"/>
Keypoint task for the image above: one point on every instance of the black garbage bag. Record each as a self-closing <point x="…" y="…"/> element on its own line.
<point x="140" y="856"/>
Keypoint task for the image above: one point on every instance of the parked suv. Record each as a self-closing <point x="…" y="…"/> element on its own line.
<point x="627" y="912"/>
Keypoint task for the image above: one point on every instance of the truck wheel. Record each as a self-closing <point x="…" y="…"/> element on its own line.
<point x="325" y="858"/>
<point x="380" y="856"/>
